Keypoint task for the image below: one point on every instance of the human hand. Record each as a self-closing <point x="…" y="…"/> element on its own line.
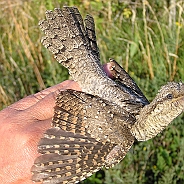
<point x="22" y="124"/>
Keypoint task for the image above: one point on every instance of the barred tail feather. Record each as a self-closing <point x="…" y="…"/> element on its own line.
<point x="68" y="39"/>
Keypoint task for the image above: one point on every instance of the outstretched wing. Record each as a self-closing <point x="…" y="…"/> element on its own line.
<point x="68" y="157"/>
<point x="88" y="133"/>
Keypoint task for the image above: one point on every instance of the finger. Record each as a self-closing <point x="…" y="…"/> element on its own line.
<point x="108" y="70"/>
<point x="44" y="107"/>
<point x="68" y="84"/>
<point x="33" y="99"/>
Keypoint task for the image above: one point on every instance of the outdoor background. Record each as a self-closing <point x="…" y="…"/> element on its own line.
<point x="145" y="37"/>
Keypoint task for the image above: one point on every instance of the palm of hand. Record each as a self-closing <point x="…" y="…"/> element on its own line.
<point x="21" y="127"/>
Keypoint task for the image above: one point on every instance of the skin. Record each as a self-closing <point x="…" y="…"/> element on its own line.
<point x="22" y="124"/>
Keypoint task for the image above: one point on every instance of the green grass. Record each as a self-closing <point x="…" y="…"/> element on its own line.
<point x="145" y="38"/>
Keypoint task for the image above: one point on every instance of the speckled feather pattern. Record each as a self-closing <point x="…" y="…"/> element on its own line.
<point x="94" y="128"/>
<point x="74" y="46"/>
<point x="87" y="130"/>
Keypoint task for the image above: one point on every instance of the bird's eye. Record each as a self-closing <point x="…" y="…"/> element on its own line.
<point x="169" y="96"/>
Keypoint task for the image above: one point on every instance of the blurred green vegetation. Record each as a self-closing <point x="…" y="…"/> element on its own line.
<point x="145" y="37"/>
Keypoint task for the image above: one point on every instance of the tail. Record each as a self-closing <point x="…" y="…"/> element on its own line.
<point x="71" y="43"/>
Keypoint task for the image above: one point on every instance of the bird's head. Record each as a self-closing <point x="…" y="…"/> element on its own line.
<point x="155" y="117"/>
<point x="171" y="94"/>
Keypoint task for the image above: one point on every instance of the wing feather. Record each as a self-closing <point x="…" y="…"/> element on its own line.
<point x="78" y="144"/>
<point x="68" y="157"/>
<point x="125" y="81"/>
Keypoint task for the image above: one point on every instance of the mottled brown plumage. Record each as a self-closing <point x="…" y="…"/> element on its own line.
<point x="95" y="128"/>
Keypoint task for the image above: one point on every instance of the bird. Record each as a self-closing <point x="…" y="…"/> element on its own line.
<point x="95" y="127"/>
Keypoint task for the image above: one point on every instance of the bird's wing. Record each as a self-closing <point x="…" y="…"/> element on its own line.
<point x="68" y="157"/>
<point x="124" y="80"/>
<point x="87" y="134"/>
